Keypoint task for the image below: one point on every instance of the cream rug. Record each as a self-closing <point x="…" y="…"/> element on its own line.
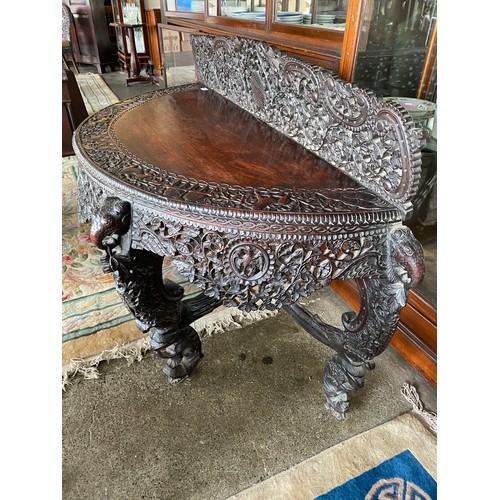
<point x="95" y="92"/>
<point x="394" y="461"/>
<point x="96" y="326"/>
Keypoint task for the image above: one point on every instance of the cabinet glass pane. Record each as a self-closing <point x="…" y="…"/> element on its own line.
<point x="131" y="11"/>
<point x="119" y="40"/>
<point x="327" y="14"/>
<point x="250" y="10"/>
<point x="393" y="43"/>
<point x="185" y="5"/>
<point x="178" y="58"/>
<point x="139" y="40"/>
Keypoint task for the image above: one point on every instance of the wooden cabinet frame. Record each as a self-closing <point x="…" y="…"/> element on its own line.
<point x="124" y="55"/>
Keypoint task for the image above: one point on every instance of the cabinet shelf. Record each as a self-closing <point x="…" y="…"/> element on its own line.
<point x="127" y="14"/>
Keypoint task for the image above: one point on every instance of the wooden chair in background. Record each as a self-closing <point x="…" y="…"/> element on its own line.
<point x="68" y="53"/>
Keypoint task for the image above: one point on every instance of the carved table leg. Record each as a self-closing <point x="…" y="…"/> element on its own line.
<point x="156" y="304"/>
<point x="368" y="333"/>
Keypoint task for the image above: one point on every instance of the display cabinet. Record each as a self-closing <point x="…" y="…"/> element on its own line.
<point x="393" y="43"/>
<point x="131" y="35"/>
<point x="311" y="29"/>
<point x="73" y="110"/>
<point x="92" y="42"/>
<point x="391" y="48"/>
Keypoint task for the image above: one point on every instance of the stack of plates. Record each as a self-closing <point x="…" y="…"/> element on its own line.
<point x="419" y="109"/>
<point x="320" y="19"/>
<point x="290" y="17"/>
<point x="232" y="11"/>
<point x="249" y="16"/>
<point x="285" y="17"/>
<point x="325" y="18"/>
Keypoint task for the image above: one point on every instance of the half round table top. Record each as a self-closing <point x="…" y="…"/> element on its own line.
<point x="190" y="151"/>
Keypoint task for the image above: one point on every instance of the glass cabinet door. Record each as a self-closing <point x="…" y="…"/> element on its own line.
<point x="394" y="40"/>
<point x="249" y="10"/>
<point x="328" y="14"/>
<point x="117" y="19"/>
<point x="184" y="5"/>
<point x="129" y="12"/>
<point x="132" y="14"/>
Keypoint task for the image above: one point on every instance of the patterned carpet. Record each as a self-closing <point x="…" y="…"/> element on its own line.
<point x="96" y="94"/>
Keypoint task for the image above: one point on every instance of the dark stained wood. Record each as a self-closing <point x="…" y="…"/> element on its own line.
<point x="337" y="54"/>
<point x="416" y="334"/>
<point x="222" y="144"/>
<point x="92" y="41"/>
<point x="325" y="50"/>
<point x="255" y="219"/>
<point x="73" y="110"/>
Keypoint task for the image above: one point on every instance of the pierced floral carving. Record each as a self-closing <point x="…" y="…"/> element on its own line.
<point x="250" y="262"/>
<point x="252" y="273"/>
<point x="257" y="248"/>
<point x="370" y="139"/>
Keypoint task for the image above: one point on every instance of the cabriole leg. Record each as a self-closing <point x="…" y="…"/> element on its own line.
<point x="368" y="333"/>
<point x="156" y="304"/>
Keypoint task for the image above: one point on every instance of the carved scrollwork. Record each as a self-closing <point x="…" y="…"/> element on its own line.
<point x="370" y="139"/>
<point x="367" y="333"/>
<point x="252" y="273"/>
<point x="349" y="107"/>
<point x="261" y="247"/>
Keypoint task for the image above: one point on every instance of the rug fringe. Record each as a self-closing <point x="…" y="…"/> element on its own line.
<point x="219" y="321"/>
<point x="88" y="367"/>
<point x="411" y="395"/>
<point x="224" y="320"/>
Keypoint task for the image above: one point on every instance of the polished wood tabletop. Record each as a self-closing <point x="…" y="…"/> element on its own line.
<point x="193" y="146"/>
<point x="199" y="134"/>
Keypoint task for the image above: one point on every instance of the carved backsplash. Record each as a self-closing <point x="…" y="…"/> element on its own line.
<point x="368" y="138"/>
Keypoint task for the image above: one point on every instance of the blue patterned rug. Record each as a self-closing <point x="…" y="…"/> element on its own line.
<point x="400" y="477"/>
<point x="394" y="461"/>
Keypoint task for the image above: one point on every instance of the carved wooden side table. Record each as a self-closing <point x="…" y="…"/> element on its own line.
<point x="250" y="216"/>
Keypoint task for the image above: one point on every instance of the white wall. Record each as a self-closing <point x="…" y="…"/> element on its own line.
<point x="151" y="4"/>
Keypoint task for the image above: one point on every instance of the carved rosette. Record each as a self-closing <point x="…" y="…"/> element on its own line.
<point x="257" y="273"/>
<point x="370" y="139"/>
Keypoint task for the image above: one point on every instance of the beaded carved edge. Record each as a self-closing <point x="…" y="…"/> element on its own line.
<point x="113" y="168"/>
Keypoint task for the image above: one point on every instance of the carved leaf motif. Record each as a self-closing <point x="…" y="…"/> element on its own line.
<point x="304" y="102"/>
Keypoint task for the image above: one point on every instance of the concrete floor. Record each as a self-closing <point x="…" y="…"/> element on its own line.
<point x="238" y="420"/>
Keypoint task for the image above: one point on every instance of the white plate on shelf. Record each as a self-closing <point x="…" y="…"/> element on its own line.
<point x="288" y="17"/>
<point x="234" y="11"/>
<point x="250" y="16"/>
<point x="419" y="109"/>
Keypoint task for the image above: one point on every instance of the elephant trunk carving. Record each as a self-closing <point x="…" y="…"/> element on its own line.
<point x="407" y="253"/>
<point x="113" y="218"/>
<point x="156" y="303"/>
